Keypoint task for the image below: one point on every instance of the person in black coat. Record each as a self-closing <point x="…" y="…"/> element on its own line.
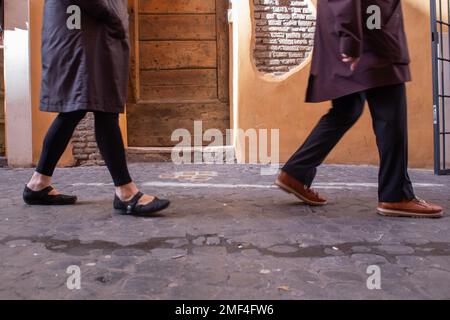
<point x="360" y="54"/>
<point x="85" y="68"/>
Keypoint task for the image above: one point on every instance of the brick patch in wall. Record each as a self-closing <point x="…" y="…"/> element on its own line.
<point x="284" y="34"/>
<point x="85" y="151"/>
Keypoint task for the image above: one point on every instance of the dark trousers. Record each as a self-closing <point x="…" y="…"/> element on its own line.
<point x="388" y="108"/>
<point x="109" y="141"/>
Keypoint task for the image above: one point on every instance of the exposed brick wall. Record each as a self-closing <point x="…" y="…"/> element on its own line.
<point x="85" y="149"/>
<point x="284" y="34"/>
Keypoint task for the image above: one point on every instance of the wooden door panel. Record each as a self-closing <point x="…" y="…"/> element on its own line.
<point x="187" y="84"/>
<point x="177" y="27"/>
<point x="177" y="6"/>
<point x="180" y="69"/>
<point x="188" y="93"/>
<point x="156" y="122"/>
<point x="203" y="77"/>
<point x="178" y="54"/>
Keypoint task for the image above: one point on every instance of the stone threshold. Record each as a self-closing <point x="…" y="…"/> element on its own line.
<point x="164" y="154"/>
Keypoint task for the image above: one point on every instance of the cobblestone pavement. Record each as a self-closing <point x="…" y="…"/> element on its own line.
<point x="228" y="235"/>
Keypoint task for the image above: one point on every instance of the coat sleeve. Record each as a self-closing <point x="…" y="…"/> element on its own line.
<point x="348" y="24"/>
<point x="99" y="10"/>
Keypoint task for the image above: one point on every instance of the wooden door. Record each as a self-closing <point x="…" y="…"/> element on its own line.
<point x="180" y="69"/>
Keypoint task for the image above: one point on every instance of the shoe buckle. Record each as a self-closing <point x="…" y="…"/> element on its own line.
<point x="129" y="209"/>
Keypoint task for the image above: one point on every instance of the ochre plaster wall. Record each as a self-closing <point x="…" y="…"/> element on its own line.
<point x="263" y="101"/>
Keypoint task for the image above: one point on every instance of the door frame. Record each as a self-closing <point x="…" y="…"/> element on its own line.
<point x="439" y="57"/>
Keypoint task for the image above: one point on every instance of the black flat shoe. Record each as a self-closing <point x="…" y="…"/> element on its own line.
<point x="132" y="207"/>
<point x="42" y="198"/>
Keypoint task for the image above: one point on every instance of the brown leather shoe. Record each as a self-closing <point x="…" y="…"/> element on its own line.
<point x="295" y="187"/>
<point x="416" y="208"/>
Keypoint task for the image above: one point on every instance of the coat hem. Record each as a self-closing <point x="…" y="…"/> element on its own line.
<point x="396" y="75"/>
<point x="333" y="97"/>
<point x="71" y="107"/>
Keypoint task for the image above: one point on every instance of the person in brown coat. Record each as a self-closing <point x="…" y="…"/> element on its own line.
<point x="360" y="54"/>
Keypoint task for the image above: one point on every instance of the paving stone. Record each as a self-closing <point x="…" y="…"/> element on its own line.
<point x="361" y="249"/>
<point x="118" y="262"/>
<point x="194" y="292"/>
<point x="370" y="259"/>
<point x="244" y="279"/>
<point x="163" y="254"/>
<point x="145" y="285"/>
<point x="104" y="277"/>
<point x="212" y="241"/>
<point x="283" y="249"/>
<point x="396" y="249"/>
<point x="199" y="241"/>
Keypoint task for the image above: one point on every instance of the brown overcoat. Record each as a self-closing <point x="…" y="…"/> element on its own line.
<point x="343" y="27"/>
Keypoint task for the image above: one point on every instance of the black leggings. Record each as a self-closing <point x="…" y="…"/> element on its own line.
<point x="109" y="140"/>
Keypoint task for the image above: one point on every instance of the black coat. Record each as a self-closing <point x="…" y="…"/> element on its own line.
<point x="86" y="68"/>
<point x="342" y="28"/>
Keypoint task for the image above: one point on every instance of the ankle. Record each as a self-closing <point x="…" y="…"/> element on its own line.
<point x="39" y="182"/>
<point x="126" y="192"/>
<point x="37" y="186"/>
